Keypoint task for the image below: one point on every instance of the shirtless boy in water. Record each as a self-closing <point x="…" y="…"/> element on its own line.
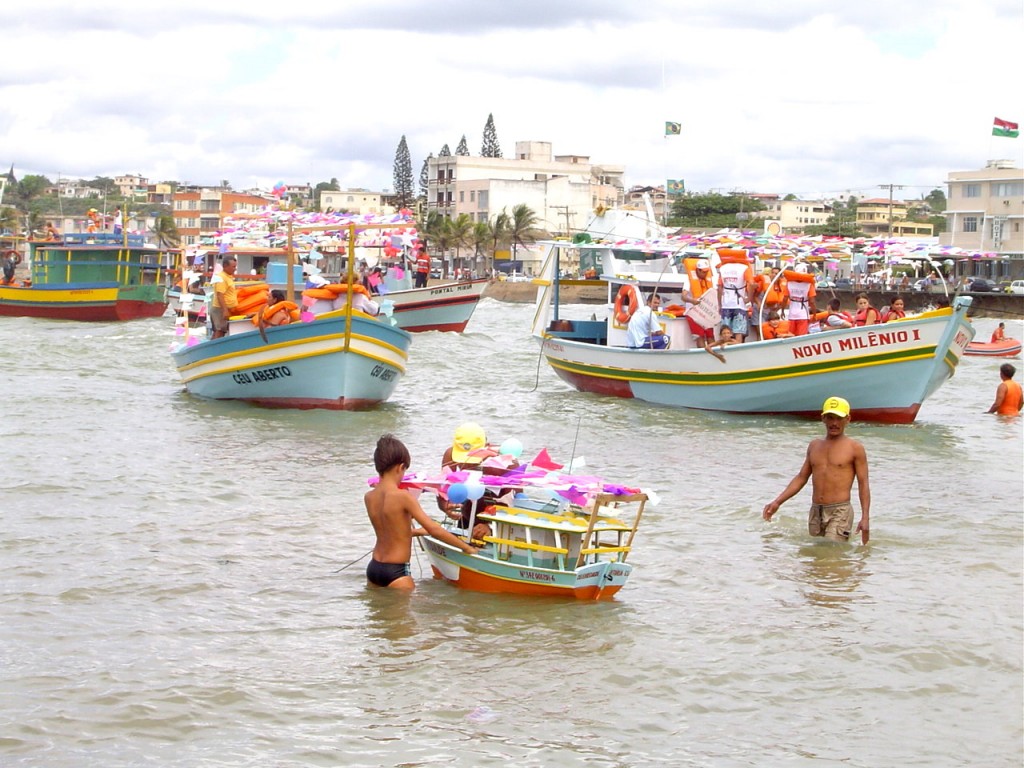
<point x="831" y="465"/>
<point x="392" y="510"/>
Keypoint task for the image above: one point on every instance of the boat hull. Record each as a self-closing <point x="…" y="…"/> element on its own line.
<point x="480" y="573"/>
<point x="324" y="363"/>
<point x="886" y="371"/>
<point x="447" y="307"/>
<point x="1004" y="348"/>
<point x="93" y="303"/>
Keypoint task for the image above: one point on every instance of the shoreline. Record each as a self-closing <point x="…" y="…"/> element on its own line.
<point x="985" y="304"/>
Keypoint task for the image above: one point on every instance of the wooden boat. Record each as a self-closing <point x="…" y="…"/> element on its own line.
<point x="439" y="307"/>
<point x="1004" y="348"/>
<point x="96" y="276"/>
<point x="559" y="536"/>
<point x="443" y="307"/>
<point x="569" y="553"/>
<point x="344" y="359"/>
<point x="885" y="371"/>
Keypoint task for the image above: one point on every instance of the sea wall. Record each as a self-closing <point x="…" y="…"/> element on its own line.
<point x="579" y="292"/>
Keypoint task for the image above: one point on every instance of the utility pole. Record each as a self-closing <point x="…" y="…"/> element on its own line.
<point x="890" y="187"/>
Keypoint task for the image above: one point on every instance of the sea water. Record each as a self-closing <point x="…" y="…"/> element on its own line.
<point x="183" y="580"/>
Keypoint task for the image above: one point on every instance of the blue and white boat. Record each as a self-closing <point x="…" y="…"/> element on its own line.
<point x="341" y="360"/>
<point x="885" y="371"/>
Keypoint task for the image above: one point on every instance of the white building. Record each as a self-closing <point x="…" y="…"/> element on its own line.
<point x="985" y="212"/>
<point x="562" y="190"/>
<point x="359" y="201"/>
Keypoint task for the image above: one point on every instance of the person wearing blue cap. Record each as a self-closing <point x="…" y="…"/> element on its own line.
<point x="831" y="465"/>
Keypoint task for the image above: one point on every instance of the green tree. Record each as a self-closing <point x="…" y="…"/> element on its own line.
<point x="166" y="231"/>
<point x="712" y="210"/>
<point x="522" y="227"/>
<point x="499" y="232"/>
<point x="10" y="220"/>
<point x="937" y="200"/>
<point x="324" y="186"/>
<point x="445" y="152"/>
<point x="479" y="238"/>
<point x="403" y="176"/>
<point x="29" y="188"/>
<point x="460" y="230"/>
<point x="490" y="146"/>
<point x="463" y="149"/>
<point x="425" y="177"/>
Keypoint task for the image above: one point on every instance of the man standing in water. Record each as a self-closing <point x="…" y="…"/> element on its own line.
<point x="1008" y="400"/>
<point x="831" y="464"/>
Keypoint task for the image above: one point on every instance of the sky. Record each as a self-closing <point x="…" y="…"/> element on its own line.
<point x="816" y="99"/>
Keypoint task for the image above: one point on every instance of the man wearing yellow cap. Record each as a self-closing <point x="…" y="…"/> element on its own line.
<point x="468" y="449"/>
<point x="831" y="465"/>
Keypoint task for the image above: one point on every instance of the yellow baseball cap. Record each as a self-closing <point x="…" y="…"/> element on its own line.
<point x="836" y="405"/>
<point x="469" y="437"/>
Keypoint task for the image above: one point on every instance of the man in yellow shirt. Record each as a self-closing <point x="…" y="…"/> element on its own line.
<point x="225" y="299"/>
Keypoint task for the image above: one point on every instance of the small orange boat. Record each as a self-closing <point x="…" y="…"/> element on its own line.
<point x="1003" y="348"/>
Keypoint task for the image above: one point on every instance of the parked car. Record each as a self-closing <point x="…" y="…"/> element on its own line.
<point x="825" y="282"/>
<point x="844" y="284"/>
<point x="982" y="285"/>
<point x="1016" y="288"/>
<point x="921" y="285"/>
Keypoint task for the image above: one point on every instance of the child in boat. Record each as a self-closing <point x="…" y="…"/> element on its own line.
<point x="775" y="328"/>
<point x="392" y="511"/>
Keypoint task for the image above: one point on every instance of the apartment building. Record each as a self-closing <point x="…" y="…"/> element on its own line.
<point x="882" y="217"/>
<point x="562" y="190"/>
<point x="357" y="201"/>
<point x="200" y="212"/>
<point x="131" y="185"/>
<point x="985" y="210"/>
<point x="661" y="202"/>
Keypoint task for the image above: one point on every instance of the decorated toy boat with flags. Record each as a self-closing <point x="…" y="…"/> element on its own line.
<point x="277" y="356"/>
<point x="885" y="371"/>
<point x="553" y="533"/>
<point x="91" y="276"/>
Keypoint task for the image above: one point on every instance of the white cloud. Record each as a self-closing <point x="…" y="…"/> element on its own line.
<point x="793" y="97"/>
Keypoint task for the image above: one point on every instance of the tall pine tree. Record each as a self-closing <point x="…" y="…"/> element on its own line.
<point x="463" y="149"/>
<point x="403" y="175"/>
<point x="425" y="177"/>
<point x="445" y="152"/>
<point x="490" y="147"/>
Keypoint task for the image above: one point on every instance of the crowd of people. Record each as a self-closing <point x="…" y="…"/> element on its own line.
<point x="777" y="303"/>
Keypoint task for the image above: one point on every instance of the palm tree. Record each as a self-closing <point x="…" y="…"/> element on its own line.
<point x="522" y="227"/>
<point x="460" y="229"/>
<point x="499" y="233"/>
<point x="478" y="238"/>
<point x="166" y="232"/>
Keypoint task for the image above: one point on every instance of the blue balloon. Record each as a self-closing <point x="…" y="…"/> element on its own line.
<point x="457" y="493"/>
<point x="474" y="489"/>
<point x="511" y="447"/>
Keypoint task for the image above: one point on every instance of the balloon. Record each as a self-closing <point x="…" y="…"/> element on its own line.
<point x="511" y="447"/>
<point x="474" y="490"/>
<point x="457" y="493"/>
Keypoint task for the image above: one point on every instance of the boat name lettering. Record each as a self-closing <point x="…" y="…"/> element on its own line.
<point x="264" y="374"/>
<point x="383" y="373"/>
<point x="532" y="576"/>
<point x="439" y="291"/>
<point x="873" y="339"/>
<point x="962" y="340"/>
<point x="435" y="548"/>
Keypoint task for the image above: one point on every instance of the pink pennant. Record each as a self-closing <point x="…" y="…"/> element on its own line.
<point x="543" y="461"/>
